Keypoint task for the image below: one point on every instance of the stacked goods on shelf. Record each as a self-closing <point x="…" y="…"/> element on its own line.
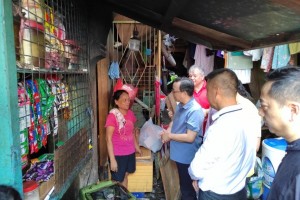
<point x="39" y="100"/>
<point x="41" y="35"/>
<point x="41" y="172"/>
<point x="24" y="116"/>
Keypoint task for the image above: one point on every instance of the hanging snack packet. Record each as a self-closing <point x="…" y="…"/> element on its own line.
<point x="24" y="142"/>
<point x="33" y="140"/>
<point x="24" y="107"/>
<point x="37" y="102"/>
<point x="47" y="99"/>
<point x="32" y="90"/>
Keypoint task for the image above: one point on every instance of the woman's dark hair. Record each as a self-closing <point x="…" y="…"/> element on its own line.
<point x="9" y="193"/>
<point x="117" y="94"/>
<point x="243" y="92"/>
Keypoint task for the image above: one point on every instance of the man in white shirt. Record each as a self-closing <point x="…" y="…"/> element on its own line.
<point x="252" y="116"/>
<point x="221" y="165"/>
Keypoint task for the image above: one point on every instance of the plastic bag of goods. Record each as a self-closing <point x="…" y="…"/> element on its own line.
<point x="255" y="183"/>
<point x="150" y="136"/>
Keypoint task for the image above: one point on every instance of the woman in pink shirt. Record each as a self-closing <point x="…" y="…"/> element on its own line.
<point x="120" y="137"/>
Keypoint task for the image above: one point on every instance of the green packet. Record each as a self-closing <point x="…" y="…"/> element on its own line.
<point x="46" y="156"/>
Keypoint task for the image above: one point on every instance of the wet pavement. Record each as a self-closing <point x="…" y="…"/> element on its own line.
<point x="157" y="192"/>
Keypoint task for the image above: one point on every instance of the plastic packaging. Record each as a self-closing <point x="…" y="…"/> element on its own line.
<point x="255" y="184"/>
<point x="150" y="136"/>
<point x="273" y="151"/>
<point x="71" y="53"/>
<point x="31" y="190"/>
<point x="32" y="44"/>
<point x="33" y="10"/>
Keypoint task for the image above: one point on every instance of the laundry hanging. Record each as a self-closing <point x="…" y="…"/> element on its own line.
<point x="206" y="62"/>
<point x="294" y="48"/>
<point x="281" y="56"/>
<point x="240" y="64"/>
<point x="256" y="54"/>
<point x="114" y="72"/>
<point x="267" y="59"/>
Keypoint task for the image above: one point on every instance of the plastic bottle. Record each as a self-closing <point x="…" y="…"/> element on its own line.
<point x="31" y="190"/>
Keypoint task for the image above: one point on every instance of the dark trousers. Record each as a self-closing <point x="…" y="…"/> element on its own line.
<point x="209" y="195"/>
<point x="185" y="181"/>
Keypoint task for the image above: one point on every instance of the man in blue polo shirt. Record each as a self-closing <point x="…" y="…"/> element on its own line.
<point x="184" y="133"/>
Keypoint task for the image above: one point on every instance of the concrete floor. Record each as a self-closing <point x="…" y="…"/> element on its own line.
<point x="158" y="191"/>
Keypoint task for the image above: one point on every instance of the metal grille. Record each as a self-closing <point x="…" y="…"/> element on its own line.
<point x="53" y="79"/>
<point x="137" y="64"/>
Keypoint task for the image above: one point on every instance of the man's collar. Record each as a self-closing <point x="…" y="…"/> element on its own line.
<point x="187" y="105"/>
<point x="226" y="110"/>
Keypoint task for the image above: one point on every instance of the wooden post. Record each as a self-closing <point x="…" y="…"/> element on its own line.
<point x="103" y="106"/>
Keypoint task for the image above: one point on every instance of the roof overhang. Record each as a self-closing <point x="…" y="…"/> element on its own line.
<point x="228" y="25"/>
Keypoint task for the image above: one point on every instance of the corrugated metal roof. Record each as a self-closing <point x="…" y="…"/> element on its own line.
<point x="230" y="25"/>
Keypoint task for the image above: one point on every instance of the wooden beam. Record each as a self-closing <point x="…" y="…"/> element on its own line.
<point x="210" y="34"/>
<point x="293" y="5"/>
<point x="195" y="38"/>
<point x="134" y="11"/>
<point x="277" y="39"/>
<point x="174" y="9"/>
<point x="155" y="22"/>
<point x="189" y="36"/>
<point x="138" y="17"/>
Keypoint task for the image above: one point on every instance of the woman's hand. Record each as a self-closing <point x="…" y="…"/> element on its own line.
<point x="138" y="150"/>
<point x="170" y="113"/>
<point x="195" y="185"/>
<point x="113" y="165"/>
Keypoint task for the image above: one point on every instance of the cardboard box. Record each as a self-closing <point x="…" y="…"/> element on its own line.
<point x="142" y="179"/>
<point x="45" y="187"/>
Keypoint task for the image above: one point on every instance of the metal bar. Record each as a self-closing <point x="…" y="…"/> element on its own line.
<point x="59" y="192"/>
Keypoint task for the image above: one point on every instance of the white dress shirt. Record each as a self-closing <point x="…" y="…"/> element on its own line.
<point x="252" y="115"/>
<point x="228" y="153"/>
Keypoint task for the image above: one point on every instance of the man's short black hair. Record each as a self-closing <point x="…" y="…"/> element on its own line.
<point x="285" y="84"/>
<point x="225" y="79"/>
<point x="186" y="85"/>
<point x="9" y="193"/>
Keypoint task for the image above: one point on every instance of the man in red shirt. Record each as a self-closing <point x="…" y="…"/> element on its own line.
<point x="196" y="74"/>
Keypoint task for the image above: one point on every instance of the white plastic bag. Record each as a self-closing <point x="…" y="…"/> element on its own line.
<point x="150" y="136"/>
